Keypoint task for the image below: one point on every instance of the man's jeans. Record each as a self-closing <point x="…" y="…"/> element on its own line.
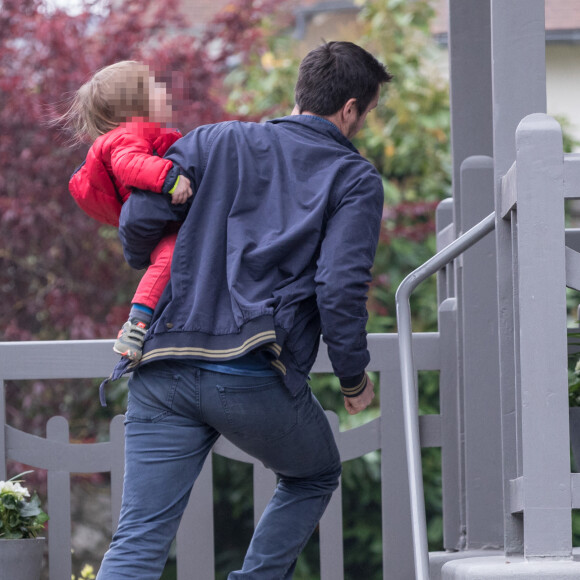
<point x="175" y="413"/>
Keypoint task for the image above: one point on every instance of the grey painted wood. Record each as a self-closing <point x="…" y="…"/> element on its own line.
<point x="195" y="546"/>
<point x="575" y="483"/>
<point x="396" y="511"/>
<point x="508" y="192"/>
<point x="445" y="231"/>
<point x="572" y="175"/>
<point x="57" y="454"/>
<point x="517" y="497"/>
<point x="543" y="343"/>
<point x="117" y="455"/>
<point x="59" y="508"/>
<point x="518" y="89"/>
<point x="452" y="468"/>
<point x="481" y="402"/>
<point x="331" y="545"/>
<point x="50" y="360"/>
<point x="264" y="486"/>
<point x="573" y="238"/>
<point x="384" y="351"/>
<point x="195" y="536"/>
<point x="452" y="461"/>
<point x="431" y="430"/>
<point x="444" y="218"/>
<point x="3" y="453"/>
<point x="470" y="88"/>
<point x="572" y="269"/>
<point x="361" y="440"/>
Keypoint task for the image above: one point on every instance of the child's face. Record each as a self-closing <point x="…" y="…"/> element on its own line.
<point x="160" y="110"/>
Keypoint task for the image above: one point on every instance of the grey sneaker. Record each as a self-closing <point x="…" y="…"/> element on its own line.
<point x="129" y="343"/>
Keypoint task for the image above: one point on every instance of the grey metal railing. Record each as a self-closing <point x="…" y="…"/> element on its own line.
<point x="410" y="406"/>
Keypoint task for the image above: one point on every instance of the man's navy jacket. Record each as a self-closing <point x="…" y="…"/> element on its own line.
<point x="275" y="247"/>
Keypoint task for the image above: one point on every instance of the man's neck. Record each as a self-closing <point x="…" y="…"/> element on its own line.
<point x="331" y="119"/>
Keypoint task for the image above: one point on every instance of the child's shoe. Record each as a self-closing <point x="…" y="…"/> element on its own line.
<point x="129" y="343"/>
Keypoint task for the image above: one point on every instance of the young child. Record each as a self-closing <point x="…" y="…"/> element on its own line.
<point x="123" y="111"/>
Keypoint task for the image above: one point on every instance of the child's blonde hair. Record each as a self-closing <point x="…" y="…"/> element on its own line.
<point x="113" y="95"/>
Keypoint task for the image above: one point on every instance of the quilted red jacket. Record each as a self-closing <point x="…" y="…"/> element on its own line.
<point x="129" y="156"/>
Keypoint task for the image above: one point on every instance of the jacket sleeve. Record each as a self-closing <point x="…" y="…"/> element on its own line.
<point x="344" y="273"/>
<point x="145" y="218"/>
<point x="135" y="165"/>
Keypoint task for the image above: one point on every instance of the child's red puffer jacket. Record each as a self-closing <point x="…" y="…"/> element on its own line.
<point x="129" y="156"/>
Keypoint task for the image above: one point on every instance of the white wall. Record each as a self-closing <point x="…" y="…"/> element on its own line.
<point x="562" y="80"/>
<point x="563" y="83"/>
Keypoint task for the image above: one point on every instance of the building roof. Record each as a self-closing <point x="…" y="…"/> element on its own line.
<point x="561" y="15"/>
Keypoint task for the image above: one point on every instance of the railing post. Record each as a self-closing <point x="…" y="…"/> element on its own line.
<point x="540" y="298"/>
<point x="519" y="88"/>
<point x="452" y="462"/>
<point x="470" y="91"/>
<point x="481" y="402"/>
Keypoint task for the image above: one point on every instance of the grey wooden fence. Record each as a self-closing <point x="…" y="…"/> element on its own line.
<point x="540" y="490"/>
<point x="195" y="549"/>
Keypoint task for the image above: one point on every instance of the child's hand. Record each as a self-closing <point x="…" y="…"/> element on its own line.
<point x="183" y="191"/>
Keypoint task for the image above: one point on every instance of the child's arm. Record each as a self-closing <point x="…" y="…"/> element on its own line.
<point x="134" y="164"/>
<point x="143" y="222"/>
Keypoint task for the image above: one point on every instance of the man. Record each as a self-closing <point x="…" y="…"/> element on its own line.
<point x="275" y="248"/>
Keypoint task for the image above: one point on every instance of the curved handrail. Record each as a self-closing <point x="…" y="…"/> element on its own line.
<point x="410" y="407"/>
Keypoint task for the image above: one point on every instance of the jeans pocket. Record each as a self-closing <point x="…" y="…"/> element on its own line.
<point x="151" y="395"/>
<point x="260" y="409"/>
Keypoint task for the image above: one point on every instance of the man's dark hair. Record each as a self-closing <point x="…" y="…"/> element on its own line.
<point x="335" y="72"/>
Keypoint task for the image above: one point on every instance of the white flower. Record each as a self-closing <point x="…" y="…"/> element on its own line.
<point x="13" y="488"/>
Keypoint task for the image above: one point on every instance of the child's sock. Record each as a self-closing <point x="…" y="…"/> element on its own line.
<point x="141" y="313"/>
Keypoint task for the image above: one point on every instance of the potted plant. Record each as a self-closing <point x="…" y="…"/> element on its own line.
<point x="21" y="521"/>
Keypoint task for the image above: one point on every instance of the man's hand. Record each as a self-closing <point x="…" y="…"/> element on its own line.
<point x="182" y="192"/>
<point x="355" y="405"/>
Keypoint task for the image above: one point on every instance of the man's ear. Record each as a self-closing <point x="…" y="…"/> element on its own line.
<point x="349" y="110"/>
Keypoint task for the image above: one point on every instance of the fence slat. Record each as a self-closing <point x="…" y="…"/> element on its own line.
<point x="3" y="447"/>
<point x="396" y="510"/>
<point x="117" y="455"/>
<point x="331" y="545"/>
<point x="264" y="486"/>
<point x="59" y="508"/>
<point x="195" y="537"/>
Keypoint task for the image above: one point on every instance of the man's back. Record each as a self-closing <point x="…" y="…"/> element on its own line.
<point x="283" y="227"/>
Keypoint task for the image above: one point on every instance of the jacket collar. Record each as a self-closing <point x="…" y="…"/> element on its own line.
<point x="319" y="125"/>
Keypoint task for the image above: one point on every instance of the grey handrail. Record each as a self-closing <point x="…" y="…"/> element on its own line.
<point x="410" y="406"/>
